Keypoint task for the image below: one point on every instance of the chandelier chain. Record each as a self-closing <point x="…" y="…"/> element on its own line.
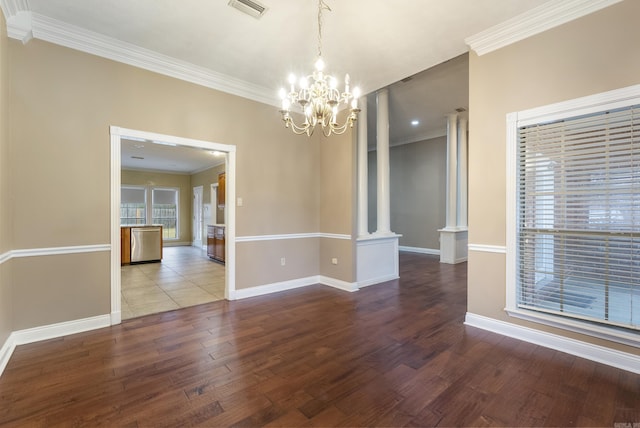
<point x="321" y="6"/>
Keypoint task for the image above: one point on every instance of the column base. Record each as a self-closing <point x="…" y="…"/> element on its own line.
<point x="377" y="258"/>
<point x="453" y="245"/>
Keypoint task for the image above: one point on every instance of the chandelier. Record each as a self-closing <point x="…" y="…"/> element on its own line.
<point x="318" y="98"/>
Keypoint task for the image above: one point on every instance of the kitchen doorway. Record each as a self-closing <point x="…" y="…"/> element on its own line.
<point x="198" y="216"/>
<point x="117" y="135"/>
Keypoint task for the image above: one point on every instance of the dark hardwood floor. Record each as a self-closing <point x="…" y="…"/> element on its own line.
<point x="394" y="354"/>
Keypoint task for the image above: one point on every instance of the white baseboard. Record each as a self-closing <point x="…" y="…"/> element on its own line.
<point x="275" y="287"/>
<point x="338" y="283"/>
<point x="66" y="328"/>
<point x="6" y="351"/>
<point x="377" y="280"/>
<point x="600" y="354"/>
<point x="420" y="250"/>
<point x="51" y="331"/>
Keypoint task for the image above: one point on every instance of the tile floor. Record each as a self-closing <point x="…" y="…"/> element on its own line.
<point x="185" y="277"/>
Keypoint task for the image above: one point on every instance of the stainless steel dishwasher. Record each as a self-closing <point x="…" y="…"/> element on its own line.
<point x="146" y="244"/>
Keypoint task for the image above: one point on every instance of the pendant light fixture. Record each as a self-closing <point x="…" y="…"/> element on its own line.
<point x="318" y="98"/>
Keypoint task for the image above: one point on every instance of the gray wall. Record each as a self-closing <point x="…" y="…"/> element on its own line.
<point x="417" y="191"/>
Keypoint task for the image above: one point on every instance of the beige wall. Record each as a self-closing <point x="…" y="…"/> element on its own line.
<point x="158" y="179"/>
<point x="417" y="174"/>
<point x="6" y="310"/>
<point x="60" y="179"/>
<point x="596" y="53"/>
<point x="337" y="205"/>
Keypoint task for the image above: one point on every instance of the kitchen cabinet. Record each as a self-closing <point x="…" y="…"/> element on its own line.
<point x="221" y="189"/>
<point x="125" y="245"/>
<point x="215" y="242"/>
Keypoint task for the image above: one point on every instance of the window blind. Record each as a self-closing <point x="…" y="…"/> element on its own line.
<point x="164" y="196"/>
<point x="578" y="238"/>
<point x="132" y="195"/>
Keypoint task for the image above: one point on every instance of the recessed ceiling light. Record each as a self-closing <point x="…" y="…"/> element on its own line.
<point x="216" y="153"/>
<point x="415" y="122"/>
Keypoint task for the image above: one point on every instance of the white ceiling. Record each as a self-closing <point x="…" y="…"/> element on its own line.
<point x="378" y="42"/>
<point x="160" y="156"/>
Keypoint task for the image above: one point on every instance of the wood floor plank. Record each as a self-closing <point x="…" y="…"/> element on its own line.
<point x="392" y="354"/>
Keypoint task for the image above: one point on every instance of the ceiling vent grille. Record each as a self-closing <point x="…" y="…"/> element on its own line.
<point x="249" y="7"/>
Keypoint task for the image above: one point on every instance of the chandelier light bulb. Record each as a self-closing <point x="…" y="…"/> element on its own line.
<point x="319" y="64"/>
<point x="282" y="94"/>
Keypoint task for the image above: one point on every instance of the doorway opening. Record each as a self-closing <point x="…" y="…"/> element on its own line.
<point x="198" y="216"/>
<point x="117" y="135"/>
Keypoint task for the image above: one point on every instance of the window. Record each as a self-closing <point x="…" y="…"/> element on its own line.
<point x="574" y="233"/>
<point x="152" y="205"/>
<point x="133" y="206"/>
<point x="165" y="211"/>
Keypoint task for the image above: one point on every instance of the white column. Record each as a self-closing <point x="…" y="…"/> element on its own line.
<point x="452" y="171"/>
<point x="384" y="204"/>
<point x="462" y="173"/>
<point x="454" y="237"/>
<point x="363" y="170"/>
<point x="377" y="253"/>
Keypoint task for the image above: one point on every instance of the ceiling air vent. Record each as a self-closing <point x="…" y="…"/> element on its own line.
<point x="249" y="7"/>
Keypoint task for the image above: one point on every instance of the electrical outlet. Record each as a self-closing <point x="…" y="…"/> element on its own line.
<point x="283" y="261"/>
<point x="334" y="261"/>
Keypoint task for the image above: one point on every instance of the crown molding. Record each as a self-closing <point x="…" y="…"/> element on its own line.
<point x="18" y="19"/>
<point x="535" y="21"/>
<point x="11" y="8"/>
<point x="23" y="24"/>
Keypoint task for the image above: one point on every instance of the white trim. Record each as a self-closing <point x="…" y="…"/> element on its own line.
<point x="53" y="251"/>
<point x="338" y="283"/>
<point x="6" y="351"/>
<point x="500" y="249"/>
<point x="603" y="332"/>
<point x="65" y="328"/>
<point x="275" y="287"/>
<point x="512" y="215"/>
<point x="419" y="250"/>
<point x="292" y="236"/>
<point x="600" y="354"/>
<point x="378" y="280"/>
<point x="25" y="24"/>
<point x="542" y="18"/>
<point x="230" y="238"/>
<point x="51" y="331"/>
<point x="613" y="99"/>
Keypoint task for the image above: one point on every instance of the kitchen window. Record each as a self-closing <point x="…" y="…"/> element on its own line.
<point x="133" y="205"/>
<point x="165" y="211"/>
<point x="573" y="247"/>
<point x="151" y="205"/>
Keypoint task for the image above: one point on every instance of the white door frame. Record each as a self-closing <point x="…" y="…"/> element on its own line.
<point x="117" y="134"/>
<point x="197" y="217"/>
